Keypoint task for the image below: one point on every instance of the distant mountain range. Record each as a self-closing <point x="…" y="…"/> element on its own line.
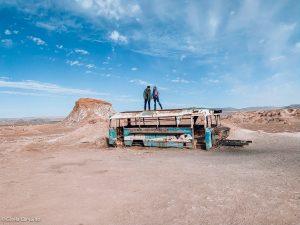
<point x="28" y="120"/>
<point x="249" y="109"/>
<point x="43" y="120"/>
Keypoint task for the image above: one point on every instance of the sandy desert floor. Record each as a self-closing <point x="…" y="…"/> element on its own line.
<point x="86" y="184"/>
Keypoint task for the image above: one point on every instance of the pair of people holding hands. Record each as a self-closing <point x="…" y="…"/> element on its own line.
<point x="148" y="95"/>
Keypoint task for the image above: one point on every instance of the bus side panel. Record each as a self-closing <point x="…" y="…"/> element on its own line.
<point x="185" y="130"/>
<point x="184" y="138"/>
<point x="160" y="144"/>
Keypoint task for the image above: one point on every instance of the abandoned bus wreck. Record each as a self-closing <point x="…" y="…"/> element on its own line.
<point x="180" y="128"/>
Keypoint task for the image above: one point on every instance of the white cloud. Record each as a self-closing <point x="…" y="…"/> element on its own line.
<point x="117" y="37"/>
<point x="46" y="87"/>
<point x="81" y="51"/>
<point x="7" y="43"/>
<point x="59" y="24"/>
<point x="47" y="26"/>
<point x="90" y="66"/>
<point x="135" y="8"/>
<point x="23" y="93"/>
<point x="59" y="46"/>
<point x="37" y="40"/>
<point x="179" y="80"/>
<point x="92" y="9"/>
<point x="140" y="82"/>
<point x="109" y="9"/>
<point x="15" y="31"/>
<point x="73" y="63"/>
<point x="277" y="58"/>
<point x="182" y="57"/>
<point x="214" y="81"/>
<point x="213" y="24"/>
<point x="108" y="75"/>
<point x="7" y="32"/>
<point x="162" y="88"/>
<point x="134" y="68"/>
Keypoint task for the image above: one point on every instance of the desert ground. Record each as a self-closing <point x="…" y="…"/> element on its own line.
<point x="63" y="173"/>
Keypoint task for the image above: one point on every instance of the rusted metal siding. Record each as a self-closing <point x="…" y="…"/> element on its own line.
<point x="163" y="137"/>
<point x="163" y="113"/>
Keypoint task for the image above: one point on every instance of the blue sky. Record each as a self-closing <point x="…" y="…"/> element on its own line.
<point x="199" y="53"/>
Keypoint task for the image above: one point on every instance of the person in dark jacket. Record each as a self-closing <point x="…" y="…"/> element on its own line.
<point x="155" y="96"/>
<point x="147" y="97"/>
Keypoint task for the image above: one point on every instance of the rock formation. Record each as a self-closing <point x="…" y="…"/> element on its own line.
<point x="88" y="110"/>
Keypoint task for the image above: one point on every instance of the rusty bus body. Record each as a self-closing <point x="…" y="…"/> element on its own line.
<point x="179" y="128"/>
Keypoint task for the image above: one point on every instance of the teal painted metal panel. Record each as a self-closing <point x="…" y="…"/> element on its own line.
<point x="128" y="143"/>
<point x="149" y="143"/>
<point x="112" y="136"/>
<point x="126" y="131"/>
<point x="208" y="138"/>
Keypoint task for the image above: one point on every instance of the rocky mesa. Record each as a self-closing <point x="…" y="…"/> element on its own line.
<point x="88" y="110"/>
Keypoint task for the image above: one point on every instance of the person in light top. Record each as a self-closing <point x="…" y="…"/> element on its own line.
<point x="155" y="96"/>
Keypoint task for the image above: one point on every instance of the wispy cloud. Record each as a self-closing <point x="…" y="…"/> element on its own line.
<point x="81" y="51"/>
<point x="277" y="58"/>
<point x="214" y="81"/>
<point x="112" y="9"/>
<point x="45" y="87"/>
<point x="73" y="63"/>
<point x="140" y="82"/>
<point x="24" y="93"/>
<point x="60" y="24"/>
<point x="115" y="36"/>
<point x="180" y="80"/>
<point x="10" y="32"/>
<point x="182" y="57"/>
<point x="37" y="40"/>
<point x="134" y="68"/>
<point x="47" y="26"/>
<point x="59" y="46"/>
<point x="7" y="43"/>
<point x="90" y="66"/>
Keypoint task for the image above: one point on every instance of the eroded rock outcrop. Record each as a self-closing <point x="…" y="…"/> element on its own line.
<point x="88" y="110"/>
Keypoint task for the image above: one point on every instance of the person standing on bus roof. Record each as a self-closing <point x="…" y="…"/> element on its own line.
<point x="155" y="96"/>
<point x="147" y="97"/>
